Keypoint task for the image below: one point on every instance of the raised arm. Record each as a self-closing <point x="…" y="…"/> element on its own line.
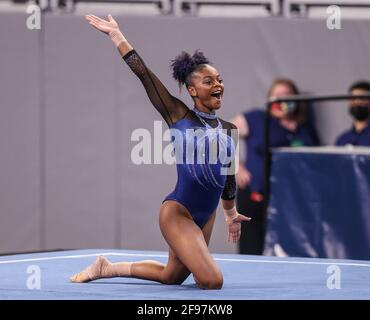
<point x="171" y="108"/>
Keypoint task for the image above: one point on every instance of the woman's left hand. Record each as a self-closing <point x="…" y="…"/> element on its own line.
<point x="234" y="227"/>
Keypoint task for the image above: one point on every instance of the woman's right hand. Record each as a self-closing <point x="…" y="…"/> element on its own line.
<point x="243" y="177"/>
<point x="103" y="25"/>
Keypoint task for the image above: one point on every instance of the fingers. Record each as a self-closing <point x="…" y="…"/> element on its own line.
<point x="234" y="236"/>
<point x="234" y="232"/>
<point x="97" y="18"/>
<point x="244" y="218"/>
<point x="110" y="18"/>
<point x="240" y="218"/>
<point x="96" y="21"/>
<point x="99" y="24"/>
<point x="95" y="25"/>
<point x="237" y="235"/>
<point x="91" y="18"/>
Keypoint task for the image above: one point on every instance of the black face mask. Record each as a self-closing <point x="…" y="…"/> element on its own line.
<point x="360" y="113"/>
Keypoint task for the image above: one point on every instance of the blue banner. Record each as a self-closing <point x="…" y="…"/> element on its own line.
<point x="319" y="203"/>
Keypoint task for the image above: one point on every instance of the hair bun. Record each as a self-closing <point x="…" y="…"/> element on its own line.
<point x="184" y="64"/>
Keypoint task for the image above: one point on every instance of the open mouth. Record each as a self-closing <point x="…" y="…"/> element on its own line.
<point x="217" y="94"/>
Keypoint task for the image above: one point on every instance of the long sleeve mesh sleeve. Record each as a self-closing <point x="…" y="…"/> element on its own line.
<point x="229" y="192"/>
<point x="171" y="108"/>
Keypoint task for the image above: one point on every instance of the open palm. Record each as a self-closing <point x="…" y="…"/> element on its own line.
<point x="234" y="228"/>
<point x="103" y="25"/>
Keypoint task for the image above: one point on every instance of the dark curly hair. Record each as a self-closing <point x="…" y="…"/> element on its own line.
<point x="185" y="64"/>
<point x="362" y="85"/>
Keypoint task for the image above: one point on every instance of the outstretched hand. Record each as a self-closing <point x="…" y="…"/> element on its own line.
<point x="110" y="28"/>
<point x="234" y="227"/>
<point x="103" y="25"/>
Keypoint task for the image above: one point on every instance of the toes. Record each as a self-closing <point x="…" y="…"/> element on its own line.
<point x="73" y="278"/>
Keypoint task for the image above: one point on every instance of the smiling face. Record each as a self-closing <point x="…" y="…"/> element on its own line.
<point x="206" y="88"/>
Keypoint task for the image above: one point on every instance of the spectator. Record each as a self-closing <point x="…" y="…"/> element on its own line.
<point x="359" y="109"/>
<point x="287" y="128"/>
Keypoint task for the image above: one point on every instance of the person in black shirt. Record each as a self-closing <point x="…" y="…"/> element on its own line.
<point x="359" y="109"/>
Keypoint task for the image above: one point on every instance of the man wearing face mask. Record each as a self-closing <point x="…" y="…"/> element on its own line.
<point x="359" y="109"/>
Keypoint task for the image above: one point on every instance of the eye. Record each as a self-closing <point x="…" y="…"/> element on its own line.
<point x="220" y="80"/>
<point x="207" y="82"/>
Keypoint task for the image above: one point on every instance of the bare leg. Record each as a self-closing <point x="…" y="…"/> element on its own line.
<point x="103" y="268"/>
<point x="188" y="243"/>
<point x="182" y="234"/>
<point x="207" y="232"/>
<point x="174" y="272"/>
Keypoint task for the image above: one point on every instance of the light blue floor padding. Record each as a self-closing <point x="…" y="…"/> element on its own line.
<point x="245" y="278"/>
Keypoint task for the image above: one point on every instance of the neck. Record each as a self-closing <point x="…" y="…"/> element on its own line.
<point x="360" y="125"/>
<point x="289" y="124"/>
<point x="203" y="108"/>
<point x="205" y="115"/>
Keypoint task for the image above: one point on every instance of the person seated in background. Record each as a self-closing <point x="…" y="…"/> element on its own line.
<point x="359" y="109"/>
<point x="287" y="128"/>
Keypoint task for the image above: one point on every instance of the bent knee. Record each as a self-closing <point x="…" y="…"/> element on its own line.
<point x="172" y="280"/>
<point x="211" y="283"/>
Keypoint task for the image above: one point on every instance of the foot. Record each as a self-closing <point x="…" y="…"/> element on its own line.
<point x="92" y="272"/>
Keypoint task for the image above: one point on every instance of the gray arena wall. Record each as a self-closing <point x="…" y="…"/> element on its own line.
<point x="69" y="105"/>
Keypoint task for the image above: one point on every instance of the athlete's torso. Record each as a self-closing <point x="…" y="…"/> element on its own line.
<point x="202" y="157"/>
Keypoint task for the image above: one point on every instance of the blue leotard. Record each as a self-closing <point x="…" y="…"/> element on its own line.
<point x="201" y="182"/>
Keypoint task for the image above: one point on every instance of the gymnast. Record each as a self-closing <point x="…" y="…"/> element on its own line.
<point x="187" y="214"/>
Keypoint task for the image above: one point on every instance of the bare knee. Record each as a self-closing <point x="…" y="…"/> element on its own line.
<point x="212" y="282"/>
<point x="172" y="280"/>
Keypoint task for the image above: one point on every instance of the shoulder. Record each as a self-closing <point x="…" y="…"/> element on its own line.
<point x="227" y="125"/>
<point x="254" y="112"/>
<point x="254" y="119"/>
<point x="254" y="115"/>
<point x="343" y="137"/>
<point x="345" y="133"/>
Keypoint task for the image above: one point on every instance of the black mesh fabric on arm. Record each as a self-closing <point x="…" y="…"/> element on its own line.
<point x="171" y="108"/>
<point x="229" y="191"/>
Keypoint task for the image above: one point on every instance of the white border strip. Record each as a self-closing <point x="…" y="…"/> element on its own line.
<point x="166" y="256"/>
